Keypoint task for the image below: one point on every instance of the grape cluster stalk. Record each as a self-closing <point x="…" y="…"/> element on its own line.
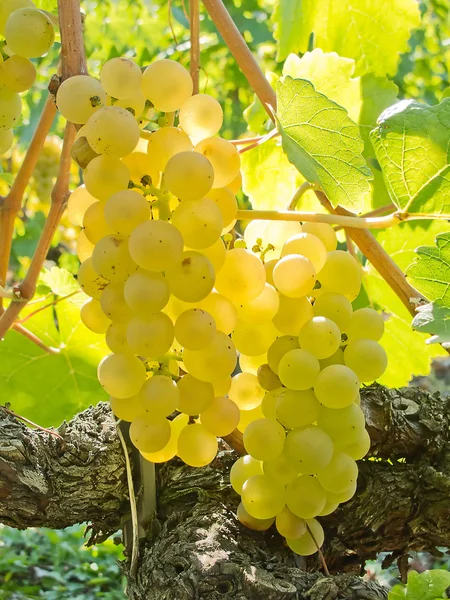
<point x="209" y="332"/>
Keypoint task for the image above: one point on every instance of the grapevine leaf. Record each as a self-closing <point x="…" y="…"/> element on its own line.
<point x="430" y="273"/>
<point x="48" y="388"/>
<point x="398" y="592"/>
<point x="60" y="281"/>
<point x="322" y="141"/>
<point x="412" y="144"/>
<point x="357" y="29"/>
<point x="427" y="585"/>
<point x="433" y="318"/>
<point x="8" y="177"/>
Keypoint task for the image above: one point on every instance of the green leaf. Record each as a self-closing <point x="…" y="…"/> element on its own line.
<point x="374" y="34"/>
<point x="48" y="388"/>
<point x="60" y="281"/>
<point x="434" y="319"/>
<point x="412" y="146"/>
<point x="427" y="585"/>
<point x="398" y="592"/>
<point x="322" y="141"/>
<point x="430" y="273"/>
<point x="8" y="177"/>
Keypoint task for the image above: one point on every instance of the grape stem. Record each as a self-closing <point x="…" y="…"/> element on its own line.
<point x="264" y="138"/>
<point x="321" y="556"/>
<point x="194" y="24"/>
<point x="304" y="187"/>
<point x="34" y="338"/>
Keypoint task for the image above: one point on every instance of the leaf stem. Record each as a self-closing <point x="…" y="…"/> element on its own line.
<point x="34" y="338"/>
<point x="38" y="310"/>
<point x="194" y="24"/>
<point x="25" y="420"/>
<point x="261" y="140"/>
<point x="304" y="187"/>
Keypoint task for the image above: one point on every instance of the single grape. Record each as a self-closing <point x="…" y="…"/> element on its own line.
<point x="224" y="158"/>
<point x="197" y="447"/>
<point x="342" y="496"/>
<point x="367" y="324"/>
<point x="159" y="395"/>
<point x="9" y="6"/>
<point x="336" y="307"/>
<point x="79" y="97"/>
<point x="113" y="303"/>
<point x="269" y="267"/>
<point x="170" y="449"/>
<point x="292" y="315"/>
<point x="248" y="416"/>
<point x="29" y="32"/>
<point x="152" y="337"/>
<point x="343" y="425"/>
<point x="320" y="336"/>
<point x="221" y="386"/>
<point x="336" y="386"/>
<point x="242" y="278"/>
<point x="79" y="201"/>
<point x="146" y="292"/>
<point x="359" y="448"/>
<point x="121" y="375"/>
<point x="121" y="77"/>
<point x="156" y="245"/>
<point x="6" y="141"/>
<point x="195" y="329"/>
<point x="244" y="468"/>
<point x="221" y="417"/>
<point x="17" y="73"/>
<point x="84" y="246"/>
<point x="111" y="258"/>
<point x="280" y="469"/>
<point x="93" y="317"/>
<point x="264" y="439"/>
<point x="222" y="310"/>
<point x="277" y="233"/>
<point x="195" y="396"/>
<point x="188" y="175"/>
<point x="251" y="364"/>
<point x="329" y="508"/>
<point x="341" y="274"/>
<point x="324" y="232"/>
<point x="11" y="104"/>
<point x="339" y="475"/>
<point x="269" y="403"/>
<point x="289" y="525"/>
<point x="245" y="391"/>
<point x="310" y="449"/>
<point x="307" y="245"/>
<point x="297" y="408"/>
<point x="126" y="409"/>
<point x="150" y="433"/>
<point x="135" y="105"/>
<point x="199" y="222"/>
<point x="106" y="175"/>
<point x="279" y="348"/>
<point x="112" y="130"/>
<point x="167" y="85"/>
<point x="294" y="276"/>
<point x="94" y="223"/>
<point x="90" y="281"/>
<point x="191" y="279"/>
<point x="165" y="143"/>
<point x="253" y="340"/>
<point x="215" y="254"/>
<point x="308" y="544"/>
<point x="335" y="359"/>
<point x="366" y="358"/>
<point x="298" y="370"/>
<point x="252" y="523"/>
<point x="267" y="379"/>
<point x="261" y="309"/>
<point x="216" y="361"/>
<point x="263" y="497"/>
<point x="227" y="204"/>
<point x="116" y="338"/>
<point x="305" y="497"/>
<point x="201" y="116"/>
<point x="142" y="169"/>
<point x="236" y="184"/>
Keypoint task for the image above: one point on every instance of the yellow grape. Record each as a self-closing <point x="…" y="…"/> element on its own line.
<point x="191" y="279"/>
<point x="342" y="496"/>
<point x="305" y="497"/>
<point x="142" y="169"/>
<point x="195" y="329"/>
<point x="112" y="130"/>
<point x="221" y="417"/>
<point x="254" y="234"/>
<point x="151" y="337"/>
<point x="121" y="375"/>
<point x="248" y="416"/>
<point x="6" y="141"/>
<point x="251" y="364"/>
<point x="160" y="395"/>
<point x="11" y="104"/>
<point x="167" y="85"/>
<point x="222" y="310"/>
<point x="79" y="97"/>
<point x="292" y="314"/>
<point x="242" y="277"/>
<point x="121" y="77"/>
<point x="17" y="73"/>
<point x="366" y="358"/>
<point x="156" y="245"/>
<point x="280" y="469"/>
<point x="29" y="32"/>
<point x="335" y="359"/>
<point x="93" y="317"/>
<point x="94" y="223"/>
<point x="339" y="475"/>
<point x="111" y="258"/>
<point x="294" y="276"/>
<point x="297" y="408"/>
<point x="244" y="468"/>
<point x="188" y="175"/>
<point x="329" y="508"/>
<point x="9" y="6"/>
<point x="245" y="391"/>
<point x="269" y="403"/>
<point x="170" y="449"/>
<point x="298" y="370"/>
<point x="268" y="380"/>
<point x="84" y="246"/>
<point x="341" y="274"/>
<point x="201" y="116"/>
<point x="126" y="409"/>
<point x="320" y="336"/>
<point x="215" y="253"/>
<point x="306" y="544"/>
<point x="261" y="309"/>
<point x="79" y="201"/>
<point x="221" y="386"/>
<point x="252" y="523"/>
<point x="150" y="433"/>
<point x="116" y="338"/>
<point x="106" y="175"/>
<point x="224" y="158"/>
<point x="135" y="105"/>
<point x="310" y="449"/>
<point x="359" y="448"/>
<point x="199" y="222"/>
<point x="90" y="281"/>
<point x="289" y="525"/>
<point x="146" y="292"/>
<point x="324" y="232"/>
<point x="113" y="303"/>
<point x="236" y="184"/>
<point x="227" y="204"/>
<point x="337" y="386"/>
<point x="262" y="497"/>
<point x="254" y="340"/>
<point x="197" y="447"/>
<point x="165" y="143"/>
<point x="307" y="245"/>
<point x="279" y="348"/>
<point x="264" y="439"/>
<point x="195" y="396"/>
<point x="343" y="425"/>
<point x="336" y="307"/>
<point x="216" y="361"/>
<point x="367" y="324"/>
<point x="269" y="267"/>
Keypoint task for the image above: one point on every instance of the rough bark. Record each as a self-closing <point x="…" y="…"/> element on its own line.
<point x="195" y="548"/>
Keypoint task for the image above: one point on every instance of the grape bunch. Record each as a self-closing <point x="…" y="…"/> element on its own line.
<point x="28" y="33"/>
<point x="179" y="298"/>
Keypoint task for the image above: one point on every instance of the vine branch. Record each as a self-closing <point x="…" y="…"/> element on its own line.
<point x="194" y="24"/>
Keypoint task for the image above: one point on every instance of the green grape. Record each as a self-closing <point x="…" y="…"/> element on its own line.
<point x="329" y="508"/>
<point x="121" y="77"/>
<point x="307" y="245"/>
<point x="242" y="277"/>
<point x="156" y="245"/>
<point x="113" y="303"/>
<point x="197" y="446"/>
<point x="337" y="386"/>
<point x="146" y="292"/>
<point x="17" y="74"/>
<point x="125" y="210"/>
<point x="142" y="170"/>
<point x="366" y="324"/>
<point x="79" y="97"/>
<point x="227" y="204"/>
<point x="261" y="309"/>
<point x="269" y="267"/>
<point x="215" y="254"/>
<point x="298" y="370"/>
<point x="340" y="473"/>
<point x="105" y="176"/>
<point x="151" y="337"/>
<point x="244" y="468"/>
<point x="165" y="143"/>
<point x="121" y="375"/>
<point x="289" y="525"/>
<point x="255" y="231"/>
<point x="216" y="361"/>
<point x="79" y="201"/>
<point x="134" y="104"/>
<point x="224" y="158"/>
<point x="297" y="408"/>
<point x="201" y="116"/>
<point x="269" y="403"/>
<point x="359" y="448"/>
<point x="170" y="449"/>
<point x="279" y="348"/>
<point x="248" y="416"/>
<point x="191" y="279"/>
<point x="94" y="223"/>
<point x="343" y="425"/>
<point x="251" y="364"/>
<point x="277" y="233"/>
<point x="221" y="417"/>
<point x="280" y="469"/>
<point x="335" y="359"/>
<point x="195" y="329"/>
<point x="252" y="523"/>
<point x="366" y="358"/>
<point x="305" y="497"/>
<point x="264" y="439"/>
<point x="294" y="276"/>
<point x="341" y="274"/>
<point x="111" y="258"/>
<point x="167" y="85"/>
<point x="267" y="379"/>
<point x="160" y="395"/>
<point x="11" y="104"/>
<point x="93" y="317"/>
<point x="306" y="544"/>
<point x="324" y="232"/>
<point x="199" y="222"/>
<point x="222" y="311"/>
<point x="126" y="409"/>
<point x="116" y="338"/>
<point x="263" y="497"/>
<point x="253" y="340"/>
<point x="310" y="449"/>
<point x="90" y="281"/>
<point x="29" y="32"/>
<point x="342" y="496"/>
<point x="9" y="6"/>
<point x="112" y="130"/>
<point x="6" y="141"/>
<point x="292" y="315"/>
<point x="221" y="386"/>
<point x="336" y="307"/>
<point x="320" y="336"/>
<point x="195" y="396"/>
<point x="188" y="175"/>
<point x="150" y="433"/>
<point x="246" y="391"/>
